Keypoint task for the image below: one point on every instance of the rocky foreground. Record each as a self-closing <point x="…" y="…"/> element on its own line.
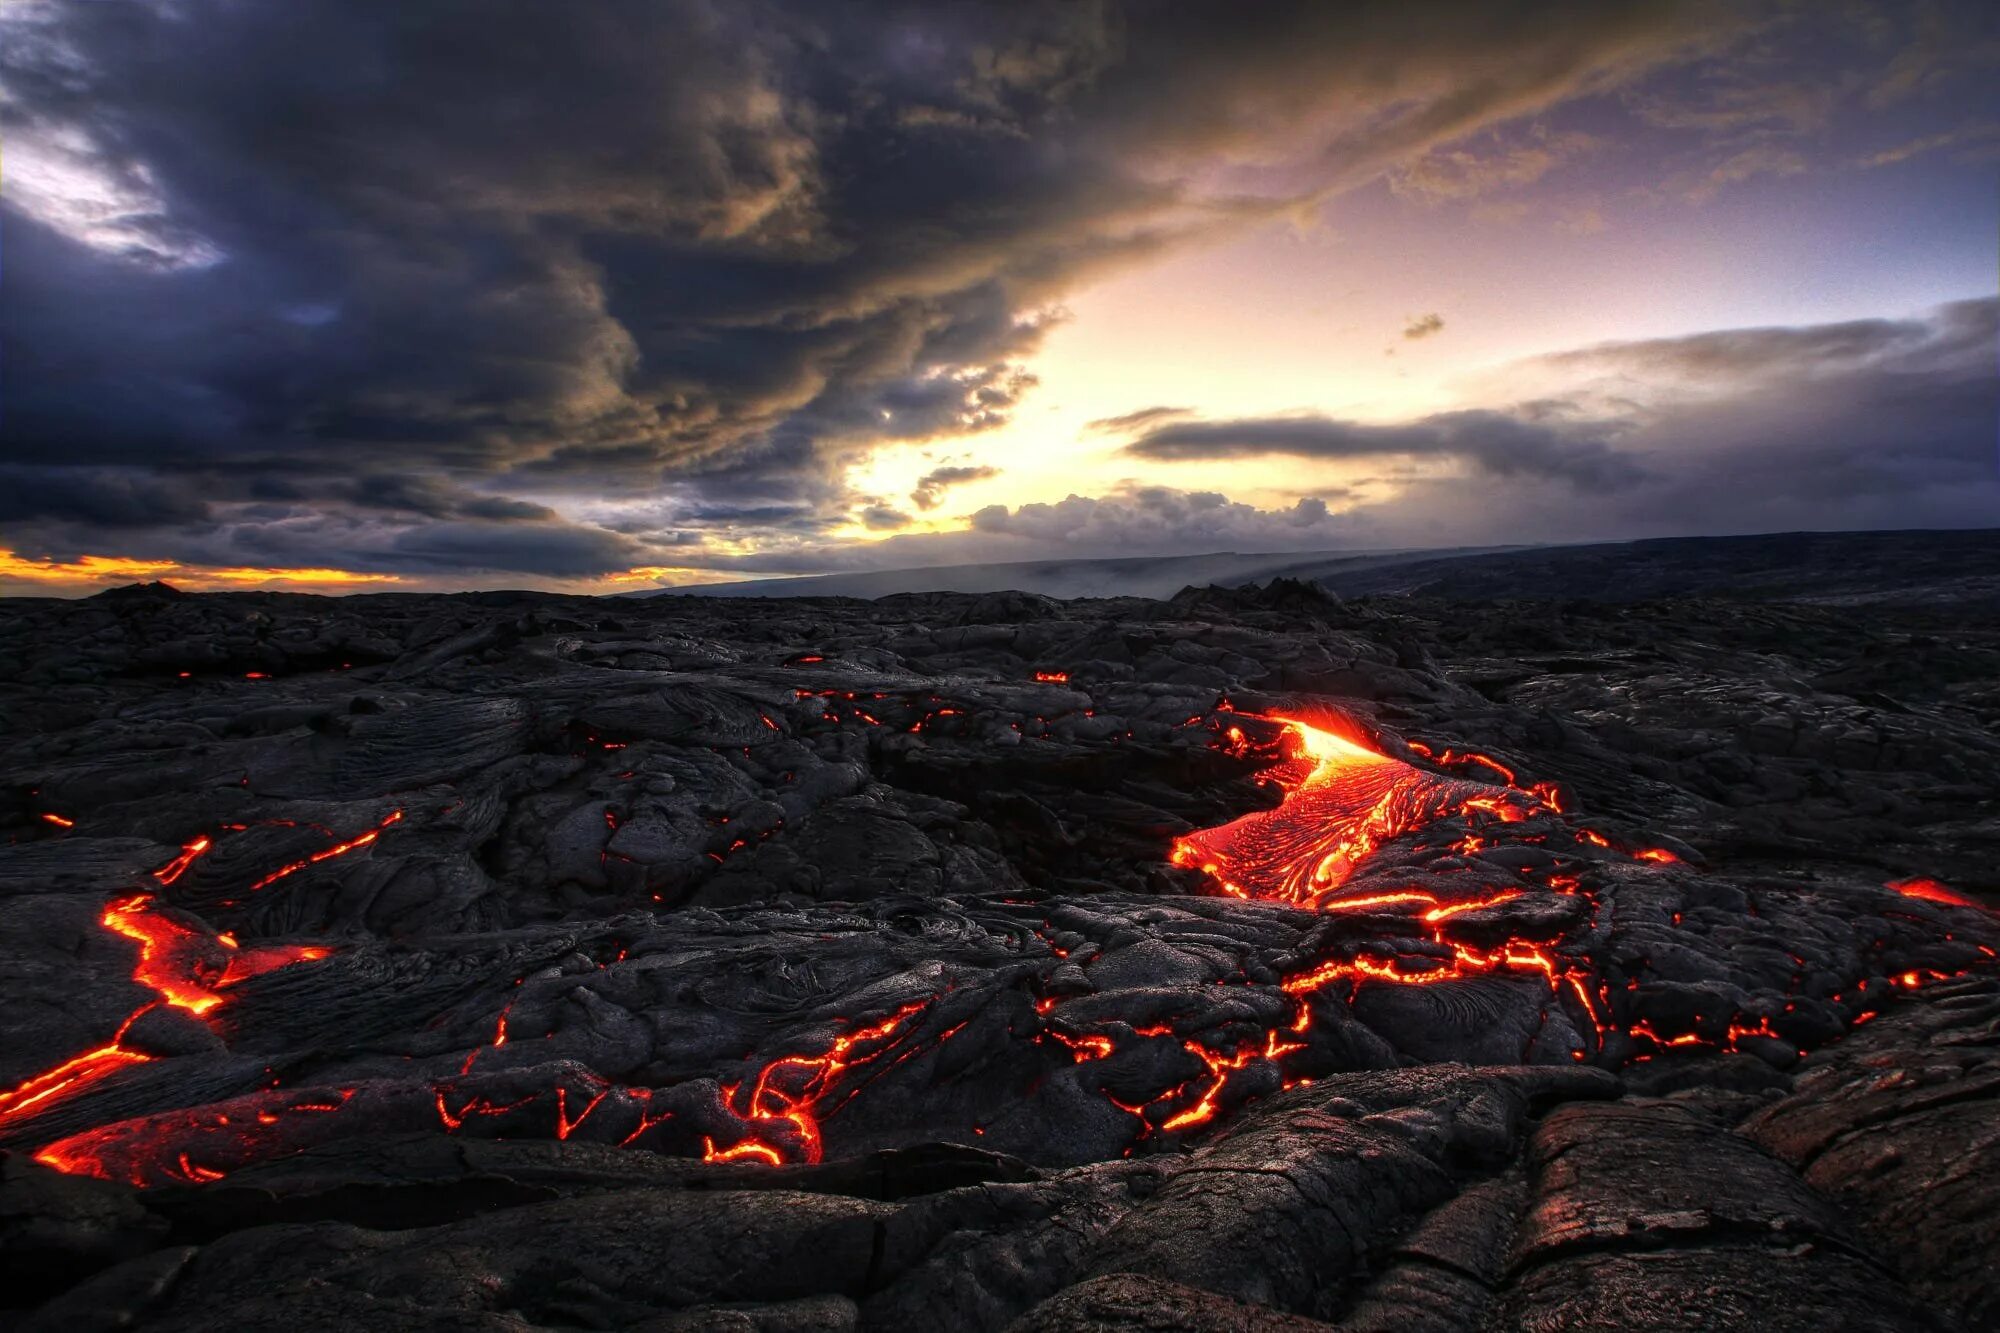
<point x="511" y="961"/>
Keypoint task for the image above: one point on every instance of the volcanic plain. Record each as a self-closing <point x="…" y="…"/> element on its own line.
<point x="1255" y="958"/>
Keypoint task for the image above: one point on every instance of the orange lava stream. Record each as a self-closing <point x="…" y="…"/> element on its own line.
<point x="328" y="853"/>
<point x="1931" y="890"/>
<point x="242" y="1129"/>
<point x="789" y="1091"/>
<point x="67" y="1078"/>
<point x="169" y="954"/>
<point x="1343" y="801"/>
<point x="177" y="867"/>
<point x="186" y="967"/>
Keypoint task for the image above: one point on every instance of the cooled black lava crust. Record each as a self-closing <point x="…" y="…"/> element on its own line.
<point x="507" y="961"/>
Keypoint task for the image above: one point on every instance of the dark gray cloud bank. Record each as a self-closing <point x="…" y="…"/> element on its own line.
<point x="1868" y="424"/>
<point x="413" y="287"/>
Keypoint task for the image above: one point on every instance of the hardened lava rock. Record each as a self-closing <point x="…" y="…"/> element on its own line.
<point x="1248" y="960"/>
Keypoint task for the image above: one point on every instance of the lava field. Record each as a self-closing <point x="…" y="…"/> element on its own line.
<point x="1247" y="960"/>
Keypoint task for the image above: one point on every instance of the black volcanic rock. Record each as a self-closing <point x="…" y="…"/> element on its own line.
<point x="509" y="960"/>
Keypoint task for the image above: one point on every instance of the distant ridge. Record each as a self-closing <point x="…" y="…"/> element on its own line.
<point x="1141" y="576"/>
<point x="1928" y="565"/>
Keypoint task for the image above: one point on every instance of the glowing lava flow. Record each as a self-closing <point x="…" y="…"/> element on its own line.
<point x="192" y="851"/>
<point x="1932" y="891"/>
<point x="788" y="1093"/>
<point x="186" y="968"/>
<point x="71" y="1076"/>
<point x="1342" y="802"/>
<point x="328" y="853"/>
<point x="177" y="867"/>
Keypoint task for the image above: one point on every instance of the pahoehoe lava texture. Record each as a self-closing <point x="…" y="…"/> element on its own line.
<point x="1244" y="960"/>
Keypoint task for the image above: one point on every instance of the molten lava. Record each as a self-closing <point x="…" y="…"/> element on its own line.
<point x="789" y="1093"/>
<point x="184" y="966"/>
<point x="1931" y="890"/>
<point x="69" y="1077"/>
<point x="328" y="853"/>
<point x="1342" y="802"/>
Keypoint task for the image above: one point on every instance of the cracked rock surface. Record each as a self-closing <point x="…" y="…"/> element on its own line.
<point x="506" y="961"/>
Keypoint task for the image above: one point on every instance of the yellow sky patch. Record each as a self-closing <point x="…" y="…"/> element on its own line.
<point x="106" y="570"/>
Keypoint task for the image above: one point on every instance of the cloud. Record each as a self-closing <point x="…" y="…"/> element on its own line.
<point x="1872" y="423"/>
<point x="1979" y="138"/>
<point x="1501" y="444"/>
<point x="1727" y="359"/>
<point x="98" y="497"/>
<point x="930" y="488"/>
<point x="1145" y="416"/>
<point x="884" y="518"/>
<point x="1860" y="424"/>
<point x="1864" y="424"/>
<point x="1763" y="160"/>
<point x="537" y="289"/>
<point x="559" y="550"/>
<point x="1735" y="101"/>
<point x="1462" y="173"/>
<point x="1781" y="101"/>
<point x="1157" y="520"/>
<point x="1424" y="326"/>
<point x="515" y="252"/>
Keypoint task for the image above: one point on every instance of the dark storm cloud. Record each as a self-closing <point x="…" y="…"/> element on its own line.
<point x="1499" y="444"/>
<point x="97" y="497"/>
<point x="720" y="249"/>
<point x="502" y="509"/>
<point x="560" y="550"/>
<point x="1868" y="424"/>
<point x="431" y="498"/>
<point x="930" y="488"/>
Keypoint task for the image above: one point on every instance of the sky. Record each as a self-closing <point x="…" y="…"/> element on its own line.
<point x="382" y="295"/>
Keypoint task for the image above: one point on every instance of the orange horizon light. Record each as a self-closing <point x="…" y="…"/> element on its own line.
<point x="95" y="569"/>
